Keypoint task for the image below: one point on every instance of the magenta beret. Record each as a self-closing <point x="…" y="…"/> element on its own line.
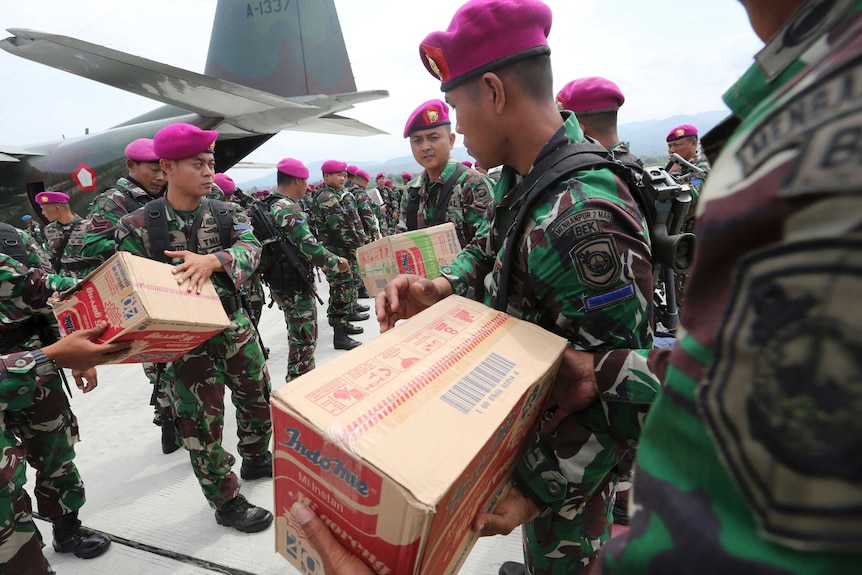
<point x="141" y="150"/>
<point x="351" y="170"/>
<point x="43" y="198"/>
<point x="333" y="167"/>
<point x="590" y="95"/>
<point x="683" y="131"/>
<point x="379" y="175"/>
<point x="485" y="35"/>
<point x="292" y="167"/>
<point x="261" y="193"/>
<point x="387" y="183"/>
<point x="225" y="182"/>
<point x="363" y="174"/>
<point x="429" y="115"/>
<point x="180" y="141"/>
<point x="467" y="163"/>
<point x="406" y="176"/>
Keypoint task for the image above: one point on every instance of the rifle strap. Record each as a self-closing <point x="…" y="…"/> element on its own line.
<point x="446" y="195"/>
<point x="57" y="256"/>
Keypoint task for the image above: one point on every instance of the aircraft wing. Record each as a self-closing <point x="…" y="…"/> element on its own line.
<point x="247" y="109"/>
<point x="12" y="153"/>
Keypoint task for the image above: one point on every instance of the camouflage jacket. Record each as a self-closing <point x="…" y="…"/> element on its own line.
<point x="288" y="216"/>
<point x="334" y="223"/>
<point x="370" y="225"/>
<point x="467" y="207"/>
<point x="71" y="262"/>
<point x="18" y="383"/>
<point x="351" y="210"/>
<point x="123" y="198"/>
<point x="750" y="459"/>
<point x="694" y="180"/>
<point x="582" y="270"/>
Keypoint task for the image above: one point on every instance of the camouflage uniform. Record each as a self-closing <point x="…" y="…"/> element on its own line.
<point x="364" y="206"/>
<point x="299" y="306"/>
<point x="749" y="463"/>
<point x="71" y="262"/>
<point x="467" y="206"/>
<point x="195" y="383"/>
<point x="122" y="198"/>
<point x="553" y="286"/>
<point x="36" y="421"/>
<point x="348" y="201"/>
<point x="695" y="183"/>
<point x="338" y="234"/>
<point x="392" y="197"/>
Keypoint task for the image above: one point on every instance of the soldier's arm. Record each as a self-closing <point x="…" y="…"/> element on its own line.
<point x="295" y="227"/>
<point x="28" y="289"/>
<point x="476" y="197"/>
<point x="369" y="222"/>
<point x="472" y="263"/>
<point x="240" y="261"/>
<point x="356" y="223"/>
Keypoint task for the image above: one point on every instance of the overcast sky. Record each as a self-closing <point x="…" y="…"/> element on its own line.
<point x="668" y="56"/>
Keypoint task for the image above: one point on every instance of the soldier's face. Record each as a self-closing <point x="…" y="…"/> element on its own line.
<point x="149" y="174"/>
<point x="50" y="211"/>
<point x="191" y="176"/>
<point x="431" y="148"/>
<point x="475" y="120"/>
<point x="335" y="180"/>
<point x="685" y="147"/>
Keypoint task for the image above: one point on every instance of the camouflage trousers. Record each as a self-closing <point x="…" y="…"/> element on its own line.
<point x="342" y="293"/>
<point x="161" y="405"/>
<point x="195" y="386"/>
<point x="20" y="543"/>
<point x="256" y="297"/>
<point x="48" y="431"/>
<point x="357" y="279"/>
<point x="300" y="315"/>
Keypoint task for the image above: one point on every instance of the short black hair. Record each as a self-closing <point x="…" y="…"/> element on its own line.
<point x="533" y="74"/>
<point x="283" y="179"/>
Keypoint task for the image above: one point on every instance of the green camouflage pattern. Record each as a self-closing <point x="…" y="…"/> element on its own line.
<point x="749" y="460"/>
<point x="364" y="207"/>
<point x="467" y="207"/>
<point x="20" y="544"/>
<point x="553" y="284"/>
<point x="351" y="208"/>
<point x="195" y="383"/>
<point x="300" y="307"/>
<point x="72" y="262"/>
<point x="122" y="198"/>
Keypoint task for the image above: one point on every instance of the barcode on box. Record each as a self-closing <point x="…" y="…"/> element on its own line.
<point x="478" y="384"/>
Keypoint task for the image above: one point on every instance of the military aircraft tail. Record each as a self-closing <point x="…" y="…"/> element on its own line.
<point x="283" y="47"/>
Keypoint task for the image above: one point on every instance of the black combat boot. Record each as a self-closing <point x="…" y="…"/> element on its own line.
<point x="70" y="537"/>
<point x="256" y="467"/>
<point x="363" y="293"/>
<point x="351" y="329"/>
<point x="243" y="516"/>
<point x="361" y="308"/>
<point x="343" y="341"/>
<point x="170" y="441"/>
<point x="512" y="568"/>
<point x="356" y="316"/>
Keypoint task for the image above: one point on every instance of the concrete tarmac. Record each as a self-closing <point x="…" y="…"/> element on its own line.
<point x="150" y="504"/>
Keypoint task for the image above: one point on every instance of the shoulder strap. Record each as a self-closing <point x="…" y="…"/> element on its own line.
<point x="564" y="161"/>
<point x="224" y="221"/>
<point x="446" y="195"/>
<point x="57" y="256"/>
<point x="156" y="218"/>
<point x="411" y="210"/>
<point x="11" y="244"/>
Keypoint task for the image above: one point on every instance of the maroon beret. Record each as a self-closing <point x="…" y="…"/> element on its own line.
<point x="683" y="131"/>
<point x="351" y="170"/>
<point x="406" y="176"/>
<point x="590" y="95"/>
<point x="225" y="182"/>
<point x="261" y="193"/>
<point x="180" y="141"/>
<point x="429" y="115"/>
<point x="485" y="35"/>
<point x="333" y="167"/>
<point x="379" y="175"/>
<point x="467" y="163"/>
<point x="43" y="198"/>
<point x="387" y="183"/>
<point x="363" y="174"/>
<point x="141" y="150"/>
<point x="292" y="167"/>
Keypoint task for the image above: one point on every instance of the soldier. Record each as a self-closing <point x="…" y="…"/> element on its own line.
<point x="209" y="239"/>
<point x="227" y="185"/>
<point x="340" y="237"/>
<point x="64" y="236"/>
<point x="447" y="191"/>
<point x="144" y="182"/>
<point x="297" y="301"/>
<point x="43" y="421"/>
<point x="370" y="224"/>
<point x="376" y="202"/>
<point x="33" y="228"/>
<point x="23" y="377"/>
<point x="591" y="284"/>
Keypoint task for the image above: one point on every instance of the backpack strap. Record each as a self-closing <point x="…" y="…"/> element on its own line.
<point x="11" y="244"/>
<point x="446" y="195"/>
<point x="564" y="161"/>
<point x="156" y="220"/>
<point x="224" y="221"/>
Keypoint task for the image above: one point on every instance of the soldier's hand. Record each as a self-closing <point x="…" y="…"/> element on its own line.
<point x="77" y="352"/>
<point x="513" y="510"/>
<point x="86" y="380"/>
<point x="343" y="265"/>
<point x="336" y="559"/>
<point x="195" y="269"/>
<point x="575" y="388"/>
<point x="407" y="295"/>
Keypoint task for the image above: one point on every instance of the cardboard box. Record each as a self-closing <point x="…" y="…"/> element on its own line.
<point x="399" y="443"/>
<point x="420" y="252"/>
<point x="141" y="302"/>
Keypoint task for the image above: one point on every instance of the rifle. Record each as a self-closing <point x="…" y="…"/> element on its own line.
<point x="270" y="234"/>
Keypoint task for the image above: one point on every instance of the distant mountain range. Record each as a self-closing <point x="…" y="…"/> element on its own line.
<point x="646" y="138"/>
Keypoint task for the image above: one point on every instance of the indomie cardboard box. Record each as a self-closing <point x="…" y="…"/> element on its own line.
<point x="399" y="443"/>
<point x="420" y="252"/>
<point x="141" y="302"/>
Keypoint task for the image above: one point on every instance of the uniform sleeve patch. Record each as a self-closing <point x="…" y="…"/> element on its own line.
<point x="609" y="298"/>
<point x="241" y="227"/>
<point x="582" y="223"/>
<point x="597" y="261"/>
